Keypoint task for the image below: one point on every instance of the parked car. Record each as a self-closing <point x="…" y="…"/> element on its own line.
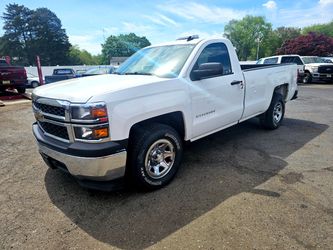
<point x="99" y="71"/>
<point x="14" y="77"/>
<point x="316" y="69"/>
<point x="80" y="72"/>
<point x="60" y="75"/>
<point x="33" y="81"/>
<point x="287" y="59"/>
<point x="133" y="124"/>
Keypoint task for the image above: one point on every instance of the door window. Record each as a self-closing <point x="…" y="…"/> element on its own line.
<point x="215" y="53"/>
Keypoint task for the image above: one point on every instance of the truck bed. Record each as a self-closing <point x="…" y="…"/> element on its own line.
<point x="261" y="80"/>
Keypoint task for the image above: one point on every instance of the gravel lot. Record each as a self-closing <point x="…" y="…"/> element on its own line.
<point x="241" y="188"/>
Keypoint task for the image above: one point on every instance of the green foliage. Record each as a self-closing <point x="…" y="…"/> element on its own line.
<point x="312" y="44"/>
<point x="326" y="29"/>
<point x="123" y="45"/>
<point x="244" y="35"/>
<point x="83" y="57"/>
<point x="34" y="32"/>
<point x="287" y="33"/>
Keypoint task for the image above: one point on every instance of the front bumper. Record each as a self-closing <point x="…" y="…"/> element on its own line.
<point x="95" y="162"/>
<point x="322" y="77"/>
<point x="106" y="168"/>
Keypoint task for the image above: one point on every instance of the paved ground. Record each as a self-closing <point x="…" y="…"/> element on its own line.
<point x="242" y="188"/>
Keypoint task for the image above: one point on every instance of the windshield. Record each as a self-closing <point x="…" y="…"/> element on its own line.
<point x="162" y="61"/>
<point x="97" y="71"/>
<point x="312" y="59"/>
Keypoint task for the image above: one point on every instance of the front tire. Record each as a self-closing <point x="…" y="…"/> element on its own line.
<point x="155" y="153"/>
<point x="307" y="78"/>
<point x="20" y="90"/>
<point x="273" y="117"/>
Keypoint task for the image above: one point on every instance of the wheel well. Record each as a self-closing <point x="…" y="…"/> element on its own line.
<point x="282" y="90"/>
<point x="174" y="120"/>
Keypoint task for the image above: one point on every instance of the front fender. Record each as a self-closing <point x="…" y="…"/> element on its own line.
<point x="127" y="113"/>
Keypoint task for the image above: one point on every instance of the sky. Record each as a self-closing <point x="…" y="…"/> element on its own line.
<point x="89" y="23"/>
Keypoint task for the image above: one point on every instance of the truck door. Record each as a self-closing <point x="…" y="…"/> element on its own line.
<point x="217" y="102"/>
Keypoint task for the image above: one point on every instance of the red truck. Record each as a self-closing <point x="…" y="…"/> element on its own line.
<point x="14" y="77"/>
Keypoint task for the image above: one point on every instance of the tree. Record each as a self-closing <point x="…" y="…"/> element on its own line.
<point x="313" y="44"/>
<point x="122" y="45"/>
<point x="287" y="33"/>
<point x="50" y="39"/>
<point x="82" y="57"/>
<point x="15" y="41"/>
<point x="245" y="35"/>
<point x="326" y="29"/>
<point x="34" y="32"/>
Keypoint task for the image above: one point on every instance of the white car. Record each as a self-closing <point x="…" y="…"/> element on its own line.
<point x="133" y="124"/>
<point x="33" y="81"/>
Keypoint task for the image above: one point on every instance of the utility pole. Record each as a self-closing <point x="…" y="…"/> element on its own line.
<point x="259" y="38"/>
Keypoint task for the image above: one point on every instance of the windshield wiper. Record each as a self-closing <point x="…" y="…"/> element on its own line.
<point x="138" y="73"/>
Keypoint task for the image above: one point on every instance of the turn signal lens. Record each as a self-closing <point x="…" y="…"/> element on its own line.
<point x="100" y="133"/>
<point x="98" y="112"/>
<point x="88" y="133"/>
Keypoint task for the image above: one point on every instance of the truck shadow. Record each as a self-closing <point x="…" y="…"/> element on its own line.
<point x="214" y="169"/>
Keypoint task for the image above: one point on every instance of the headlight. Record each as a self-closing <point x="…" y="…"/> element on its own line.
<point x="91" y="133"/>
<point x="90" y="121"/>
<point x="314" y="68"/>
<point x="90" y="112"/>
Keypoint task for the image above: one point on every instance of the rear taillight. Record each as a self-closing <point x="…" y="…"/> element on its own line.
<point x="25" y="73"/>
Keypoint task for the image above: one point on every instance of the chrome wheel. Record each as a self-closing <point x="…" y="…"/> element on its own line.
<point x="277" y="112"/>
<point x="160" y="158"/>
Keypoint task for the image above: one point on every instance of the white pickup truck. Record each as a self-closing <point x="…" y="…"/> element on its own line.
<point x="132" y="125"/>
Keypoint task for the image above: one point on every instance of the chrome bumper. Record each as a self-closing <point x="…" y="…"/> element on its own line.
<point x="104" y="168"/>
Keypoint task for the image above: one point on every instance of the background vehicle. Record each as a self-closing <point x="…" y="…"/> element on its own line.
<point x="79" y="72"/>
<point x="316" y="69"/>
<point x="33" y="81"/>
<point x="327" y="59"/>
<point x="133" y="123"/>
<point x="287" y="59"/>
<point x="60" y="75"/>
<point x="14" y="77"/>
<point x="99" y="71"/>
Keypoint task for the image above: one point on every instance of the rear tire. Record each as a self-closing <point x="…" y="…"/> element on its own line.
<point x="154" y="156"/>
<point x="20" y="90"/>
<point x="273" y="117"/>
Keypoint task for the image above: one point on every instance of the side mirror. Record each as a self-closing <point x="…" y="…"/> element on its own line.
<point x="207" y="70"/>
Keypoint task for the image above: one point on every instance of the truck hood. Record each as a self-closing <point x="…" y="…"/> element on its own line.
<point x="80" y="90"/>
<point x="318" y="64"/>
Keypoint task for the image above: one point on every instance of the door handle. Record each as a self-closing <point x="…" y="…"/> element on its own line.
<point x="236" y="82"/>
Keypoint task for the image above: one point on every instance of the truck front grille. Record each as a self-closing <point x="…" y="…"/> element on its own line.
<point x="55" y="130"/>
<point x="48" y="109"/>
<point x="325" y="69"/>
